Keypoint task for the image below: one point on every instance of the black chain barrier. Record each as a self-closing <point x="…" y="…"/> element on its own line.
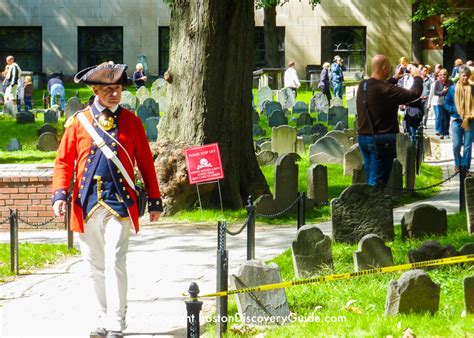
<point x="246" y="223"/>
<point x="422" y="188"/>
<point x="6" y="220"/>
<point x="280" y="213"/>
<point x="40" y="224"/>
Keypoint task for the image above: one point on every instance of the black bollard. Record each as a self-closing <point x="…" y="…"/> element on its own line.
<point x="250" y="229"/>
<point x="193" y="308"/>
<point x="462" y="202"/>
<point x="222" y="277"/>
<point x="14" y="241"/>
<point x="301" y="217"/>
<point x="67" y="220"/>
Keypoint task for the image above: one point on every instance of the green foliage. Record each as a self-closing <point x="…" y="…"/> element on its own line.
<point x="274" y="3"/>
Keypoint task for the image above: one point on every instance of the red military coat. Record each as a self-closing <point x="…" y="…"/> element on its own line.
<point x="76" y="152"/>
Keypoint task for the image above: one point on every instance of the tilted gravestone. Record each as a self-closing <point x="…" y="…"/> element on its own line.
<point x="129" y="99"/>
<point x="413" y="292"/>
<point x="24" y="117"/>
<point x="284" y="139"/>
<point x="162" y="103"/>
<point x="318" y="191"/>
<point x="320" y="129"/>
<point x="344" y="139"/>
<point x="319" y="104"/>
<point x="352" y="106"/>
<point x="47" y="128"/>
<point x="395" y="181"/>
<point x="151" y="125"/>
<point x="285" y="186"/>
<point x="430" y="250"/>
<point x="286" y="97"/>
<point x="372" y="253"/>
<point x="264" y="94"/>
<point x="424" y="220"/>
<point x="258" y="131"/>
<point x="352" y="160"/>
<point x="72" y="106"/>
<point x="266" y="157"/>
<point x="311" y="251"/>
<point x="469" y="294"/>
<point x="327" y="145"/>
<point x="336" y="102"/>
<point x="270" y="106"/>
<point x="51" y="117"/>
<point x="336" y="114"/>
<point x="469" y="198"/>
<point x="47" y="142"/>
<point x="304" y="119"/>
<point x="361" y="210"/>
<point x="300" y="107"/>
<point x="14" y="145"/>
<point x="143" y="94"/>
<point x="254" y="307"/>
<point x="277" y="118"/>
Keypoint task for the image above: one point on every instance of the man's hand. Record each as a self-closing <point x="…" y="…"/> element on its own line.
<point x="59" y="208"/>
<point x="154" y="216"/>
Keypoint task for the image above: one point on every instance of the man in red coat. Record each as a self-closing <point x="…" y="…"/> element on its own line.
<point x="104" y="205"/>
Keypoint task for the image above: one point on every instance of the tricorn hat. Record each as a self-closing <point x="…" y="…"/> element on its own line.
<point x="106" y="73"/>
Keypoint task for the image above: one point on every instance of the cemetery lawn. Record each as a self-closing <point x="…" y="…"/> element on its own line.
<point x="355" y="307"/>
<point x="32" y="256"/>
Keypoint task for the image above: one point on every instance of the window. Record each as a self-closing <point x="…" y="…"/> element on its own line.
<point x="259" y="49"/>
<point x="25" y="44"/>
<point x="347" y="42"/>
<point x="99" y="44"/>
<point x="163" y="49"/>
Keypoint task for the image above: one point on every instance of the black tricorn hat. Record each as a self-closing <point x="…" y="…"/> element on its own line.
<point x="106" y="73"/>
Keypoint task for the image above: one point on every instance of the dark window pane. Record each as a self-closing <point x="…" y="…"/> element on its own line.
<point x="163" y="49"/>
<point x="347" y="42"/>
<point x="259" y="47"/>
<point x="25" y="44"/>
<point x="99" y="44"/>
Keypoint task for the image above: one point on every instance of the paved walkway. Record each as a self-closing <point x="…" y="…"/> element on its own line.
<point x="162" y="262"/>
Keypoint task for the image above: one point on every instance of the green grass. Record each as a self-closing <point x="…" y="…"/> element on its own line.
<point x="364" y="316"/>
<point x="32" y="256"/>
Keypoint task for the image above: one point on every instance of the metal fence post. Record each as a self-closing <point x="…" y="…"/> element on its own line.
<point x="250" y="229"/>
<point x="301" y="209"/>
<point x="222" y="278"/>
<point x="67" y="220"/>
<point x="193" y="308"/>
<point x="14" y="241"/>
<point x="462" y="202"/>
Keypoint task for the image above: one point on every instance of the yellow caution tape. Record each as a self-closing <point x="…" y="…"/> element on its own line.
<point x="347" y="275"/>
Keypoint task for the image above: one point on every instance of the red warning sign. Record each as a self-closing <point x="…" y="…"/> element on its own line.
<point x="204" y="163"/>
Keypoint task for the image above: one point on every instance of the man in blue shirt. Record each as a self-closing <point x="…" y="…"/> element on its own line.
<point x="337" y="76"/>
<point x="55" y="88"/>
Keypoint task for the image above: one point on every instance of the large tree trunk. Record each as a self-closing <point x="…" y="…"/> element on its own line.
<point x="270" y="32"/>
<point x="211" y="56"/>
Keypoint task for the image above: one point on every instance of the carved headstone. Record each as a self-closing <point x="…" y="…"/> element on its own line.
<point x="129" y="99"/>
<point x="255" y="117"/>
<point x="403" y="141"/>
<point x="469" y="198"/>
<point x="467" y="249"/>
<point x="51" y="117"/>
<point x="427" y="146"/>
<point x="311" y="251"/>
<point x="359" y="176"/>
<point x="320" y="129"/>
<point x="266" y="157"/>
<point x="72" y="106"/>
<point x="304" y="120"/>
<point x="47" y="142"/>
<point x="264" y="94"/>
<point x="306" y="130"/>
<point x="413" y="292"/>
<point x="267" y="145"/>
<point x="146" y="111"/>
<point x="336" y="114"/>
<point x="277" y="118"/>
<point x="317" y="186"/>
<point x="372" y="253"/>
<point x="284" y="139"/>
<point x="270" y="106"/>
<point x="300" y="107"/>
<point x="430" y="250"/>
<point x="361" y="210"/>
<point x="46" y="128"/>
<point x="24" y="117"/>
<point x="286" y="97"/>
<point x="300" y="149"/>
<point x="327" y="145"/>
<point x="352" y="160"/>
<point x="424" y="220"/>
<point x="14" y="145"/>
<point x="319" y="103"/>
<point x="151" y="125"/>
<point x="159" y="88"/>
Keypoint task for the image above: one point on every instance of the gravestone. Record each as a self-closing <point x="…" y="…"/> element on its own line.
<point x="336" y="102"/>
<point x="159" y="88"/>
<point x="320" y="158"/>
<point x="340" y="126"/>
<point x="372" y="253"/>
<point x="352" y="160"/>
<point x="430" y="250"/>
<point x="310" y="139"/>
<point x="359" y="176"/>
<point x="403" y="141"/>
<point x="410" y="167"/>
<point x="47" y="128"/>
<point x="336" y="114"/>
<point x="14" y="145"/>
<point x="395" y="181"/>
<point x="359" y="76"/>
<point x="270" y="106"/>
<point x="300" y="145"/>
<point x="277" y="118"/>
<point x="262" y="140"/>
<point x="424" y="220"/>
<point x="152" y="106"/>
<point x="264" y="94"/>
<point x="427" y="146"/>
<point x="300" y="107"/>
<point x="258" y="131"/>
<point x="311" y="251"/>
<point x="266" y="157"/>
<point x="51" y="117"/>
<point x="151" y="125"/>
<point x="469" y="198"/>
<point x="317" y="176"/>
<point x="285" y="186"/>
<point x="144" y="61"/>
<point x="255" y="117"/>
<point x="304" y="119"/>
<point x="162" y="103"/>
<point x="413" y="292"/>
<point x="320" y="129"/>
<point x="129" y="99"/>
<point x="24" y="117"/>
<point x="47" y="142"/>
<point x="323" y="117"/>
<point x="361" y="210"/>
<point x="344" y="139"/>
<point x="284" y="139"/>
<point x="146" y="111"/>
<point x="352" y="105"/>
<point x="306" y="130"/>
<point x="72" y="106"/>
<point x="142" y="94"/>
<point x="467" y="249"/>
<point x="286" y="97"/>
<point x="469" y="294"/>
<point x="319" y="104"/>
<point x="266" y="146"/>
<point x="327" y="145"/>
<point x="259" y="305"/>
<point x="9" y="109"/>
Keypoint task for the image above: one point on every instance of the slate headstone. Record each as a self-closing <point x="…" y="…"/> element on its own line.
<point x="320" y="129"/>
<point x="469" y="198"/>
<point x="424" y="220"/>
<point x="72" y="106"/>
<point x="146" y="111"/>
<point x="469" y="294"/>
<point x="258" y="131"/>
<point x="300" y="107"/>
<point x="337" y="114"/>
<point x="372" y="253"/>
<point x="264" y="94"/>
<point x="129" y="99"/>
<point x="305" y="130"/>
<point x="311" y="251"/>
<point x="270" y="106"/>
<point x="304" y="119"/>
<point x="151" y="125"/>
<point x="319" y="104"/>
<point x="47" y="128"/>
<point x="47" y="142"/>
<point x="352" y="160"/>
<point x="310" y="139"/>
<point x="327" y="145"/>
<point x="51" y="117"/>
<point x="286" y="97"/>
<point x="266" y="157"/>
<point x="14" y="145"/>
<point x="414" y="292"/>
<point x="317" y="185"/>
<point x="24" y="117"/>
<point x="260" y="304"/>
<point x="151" y="105"/>
<point x="395" y="181"/>
<point x="430" y="250"/>
<point x="277" y="118"/>
<point x="361" y="210"/>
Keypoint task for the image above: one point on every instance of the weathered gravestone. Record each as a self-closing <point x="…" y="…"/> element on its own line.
<point x="47" y="142"/>
<point x="24" y="117"/>
<point x="277" y="118"/>
<point x="72" y="106"/>
<point x="359" y="176"/>
<point x="14" y="145"/>
<point x="286" y="97"/>
<point x="284" y="139"/>
<point x="320" y="129"/>
<point x="258" y="131"/>
<point x="469" y="294"/>
<point x="306" y="130"/>
<point x="430" y="250"/>
<point x="319" y="104"/>
<point x="285" y="186"/>
<point x="403" y="141"/>
<point x="344" y="139"/>
<point x="129" y="99"/>
<point x="151" y="124"/>
<point x="300" y="107"/>
<point x="151" y="105"/>
<point x="311" y="251"/>
<point x="264" y="94"/>
<point x="395" y="181"/>
<point x="51" y="117"/>
<point x="352" y="106"/>
<point x="318" y="191"/>
<point x="270" y="106"/>
<point x="372" y="253"/>
<point x="162" y="103"/>
<point x="255" y="307"/>
<point x="308" y="136"/>
<point x="352" y="160"/>
<point x="304" y="119"/>
<point x="336" y="114"/>
<point x="361" y="210"/>
<point x="47" y="128"/>
<point x="267" y="145"/>
<point x="159" y="88"/>
<point x="9" y="109"/>
<point x="424" y="220"/>
<point x="469" y="198"/>
<point x="413" y="292"/>
<point x="327" y="145"/>
<point x="142" y="94"/>
<point x="266" y="157"/>
<point x="319" y="158"/>
<point x="147" y="110"/>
